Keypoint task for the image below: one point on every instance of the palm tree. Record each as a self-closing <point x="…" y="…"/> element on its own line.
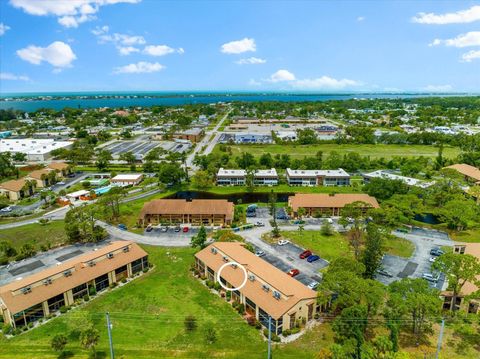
<point x="89" y="339"/>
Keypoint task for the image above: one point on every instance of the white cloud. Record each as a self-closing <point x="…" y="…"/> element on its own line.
<point x="239" y="46"/>
<point x="3" y="28"/>
<point x="251" y="61"/>
<point x="281" y="76"/>
<point x="70" y="13"/>
<point x="139" y="68"/>
<point x="471" y="38"/>
<point x="438" y="88"/>
<point x="253" y="82"/>
<point x="57" y="54"/>
<point x="161" y="50"/>
<point x="127" y="50"/>
<point x="325" y="82"/>
<point x="13" y="77"/>
<point x="471" y="55"/>
<point x="459" y="17"/>
<point x="360" y="18"/>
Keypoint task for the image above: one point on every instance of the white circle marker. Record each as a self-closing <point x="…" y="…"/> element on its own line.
<point x="231" y="264"/>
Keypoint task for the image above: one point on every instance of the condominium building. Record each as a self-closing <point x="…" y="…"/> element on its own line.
<point x="226" y="177"/>
<point x="15" y="190"/>
<point x="268" y="292"/>
<point x="463" y="301"/>
<point x="231" y="177"/>
<point x="470" y="173"/>
<point x="34" y="288"/>
<point x="337" y="177"/>
<point x="208" y="212"/>
<point x="327" y="203"/>
<point x="394" y="177"/>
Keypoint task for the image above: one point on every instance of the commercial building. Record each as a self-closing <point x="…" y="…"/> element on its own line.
<point x="328" y="204"/>
<point x="193" y="135"/>
<point x="208" y="212"/>
<point x="35" y="149"/>
<point x="470" y="305"/>
<point x="268" y="292"/>
<point x="239" y="177"/>
<point x="392" y="176"/>
<point x="337" y="177"/>
<point x="33" y="289"/>
<point x="471" y="174"/>
<point x="245" y="138"/>
<point x="131" y="179"/>
<point x="15" y="190"/>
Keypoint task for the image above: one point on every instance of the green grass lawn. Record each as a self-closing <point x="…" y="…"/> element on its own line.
<point x="282" y="188"/>
<point x="399" y="247"/>
<point x="327" y="247"/>
<point x="147" y="317"/>
<point x="52" y="233"/>
<point x="374" y="151"/>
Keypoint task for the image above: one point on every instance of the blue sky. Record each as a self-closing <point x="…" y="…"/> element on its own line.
<point x="324" y="46"/>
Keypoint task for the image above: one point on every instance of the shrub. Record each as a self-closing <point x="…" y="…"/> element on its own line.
<point x="7" y="329"/>
<point x="217" y="286"/>
<point x="241" y="309"/>
<point x="228" y="295"/>
<point x="275" y="338"/>
<point x="286" y="333"/>
<point x="63" y="309"/>
<point x="86" y="298"/>
<point x="209" y="283"/>
<point x="190" y="323"/>
<point x="258" y="325"/>
<point x="316" y="316"/>
<point x="145" y="270"/>
<point x="295" y="330"/>
<point x="124" y="280"/>
<point x="16" y="331"/>
<point x="251" y="321"/>
<point x="30" y="325"/>
<point x="92" y="291"/>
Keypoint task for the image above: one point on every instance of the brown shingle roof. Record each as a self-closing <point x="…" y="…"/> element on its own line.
<point x="293" y="291"/>
<point x="474" y="250"/>
<point x="81" y="273"/>
<point x="37" y="174"/>
<point x="325" y="200"/>
<point x="181" y="206"/>
<point x="13" y="185"/>
<point x="467" y="170"/>
<point x="59" y="166"/>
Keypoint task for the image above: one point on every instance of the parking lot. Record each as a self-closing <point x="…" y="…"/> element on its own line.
<point x="415" y="266"/>
<point x="138" y="148"/>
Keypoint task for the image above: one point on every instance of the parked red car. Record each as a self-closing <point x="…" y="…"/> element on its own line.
<point x="185" y="229"/>
<point x="293" y="272"/>
<point x="305" y="254"/>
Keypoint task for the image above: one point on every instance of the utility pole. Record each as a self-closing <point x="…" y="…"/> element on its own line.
<point x="109" y="329"/>
<point x="269" y="355"/>
<point x="440" y="337"/>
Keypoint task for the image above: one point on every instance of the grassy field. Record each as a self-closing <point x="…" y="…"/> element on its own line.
<point x="51" y="234"/>
<point x="399" y="247"/>
<point x="147" y="317"/>
<point x="327" y="247"/>
<point x="374" y="151"/>
<point x="336" y="245"/>
<point x="282" y="188"/>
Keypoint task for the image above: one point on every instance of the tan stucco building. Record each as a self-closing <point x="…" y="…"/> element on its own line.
<point x="268" y="292"/>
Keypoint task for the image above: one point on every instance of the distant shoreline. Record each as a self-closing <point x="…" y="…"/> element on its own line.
<point x="57" y="100"/>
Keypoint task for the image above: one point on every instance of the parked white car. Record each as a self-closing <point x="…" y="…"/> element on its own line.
<point x="282" y="242"/>
<point x="6" y="209"/>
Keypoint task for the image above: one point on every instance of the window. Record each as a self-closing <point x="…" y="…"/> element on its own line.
<point x="101" y="282"/>
<point x="137" y="266"/>
<point x="79" y="291"/>
<point x="56" y="302"/>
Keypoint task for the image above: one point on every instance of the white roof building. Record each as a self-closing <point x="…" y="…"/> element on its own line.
<point x="35" y="149"/>
<point x="127" y="179"/>
<point x="388" y="175"/>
